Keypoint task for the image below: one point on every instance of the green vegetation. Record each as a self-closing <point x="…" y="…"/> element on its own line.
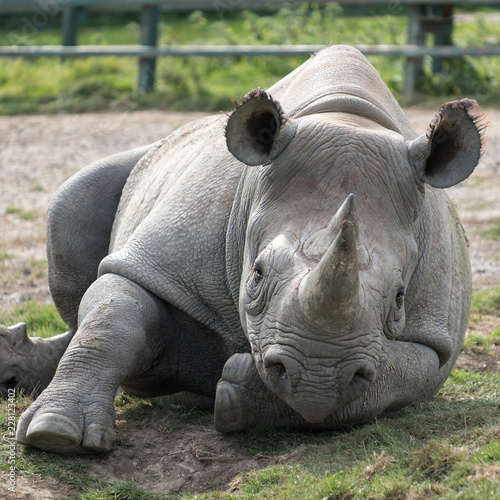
<point x="4" y="255"/>
<point x="484" y="301"/>
<point x="42" y="320"/>
<point x="118" y="491"/>
<point x="447" y="448"/>
<point x="492" y="232"/>
<point x="485" y="315"/>
<point x="478" y="344"/>
<point x="24" y="214"/>
<point x="48" y="85"/>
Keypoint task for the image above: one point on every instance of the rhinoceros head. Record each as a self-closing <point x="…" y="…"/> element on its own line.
<point x="331" y="240"/>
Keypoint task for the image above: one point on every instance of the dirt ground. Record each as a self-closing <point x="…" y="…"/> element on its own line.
<point x="39" y="152"/>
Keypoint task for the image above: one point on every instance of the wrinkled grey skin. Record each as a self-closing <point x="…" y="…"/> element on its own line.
<point x="328" y="284"/>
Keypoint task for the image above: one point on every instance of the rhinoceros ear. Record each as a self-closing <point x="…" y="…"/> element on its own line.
<point x="450" y="150"/>
<point x="258" y="130"/>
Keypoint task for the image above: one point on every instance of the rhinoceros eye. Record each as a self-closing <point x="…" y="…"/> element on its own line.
<point x="255" y="299"/>
<point x="400" y="297"/>
<point x="257" y="273"/>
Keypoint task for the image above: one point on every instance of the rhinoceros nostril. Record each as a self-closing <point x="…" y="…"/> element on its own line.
<point x="358" y="384"/>
<point x="278" y="377"/>
<point x="278" y="371"/>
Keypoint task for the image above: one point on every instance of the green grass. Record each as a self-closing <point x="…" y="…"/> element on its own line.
<point x="487" y="300"/>
<point x="24" y="214"/>
<point x="492" y="232"/>
<point x="478" y="344"/>
<point x="432" y="447"/>
<point x="49" y="85"/>
<point x="118" y="491"/>
<point x="4" y="255"/>
<point x="42" y="320"/>
<point x="447" y="448"/>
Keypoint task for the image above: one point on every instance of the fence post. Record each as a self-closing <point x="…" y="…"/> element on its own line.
<point x="70" y="25"/>
<point x="149" y="36"/>
<point x="415" y="37"/>
<point x="442" y="34"/>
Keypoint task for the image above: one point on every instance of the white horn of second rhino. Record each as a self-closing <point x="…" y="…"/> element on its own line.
<point x="331" y="293"/>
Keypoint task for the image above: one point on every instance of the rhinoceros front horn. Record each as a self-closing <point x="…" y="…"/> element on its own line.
<point x="258" y="129"/>
<point x="331" y="294"/>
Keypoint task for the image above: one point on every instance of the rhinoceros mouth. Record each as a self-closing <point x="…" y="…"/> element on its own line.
<point x="305" y="392"/>
<point x="315" y="413"/>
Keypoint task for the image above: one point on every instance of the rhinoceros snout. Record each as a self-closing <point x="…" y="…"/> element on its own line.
<point x="311" y="387"/>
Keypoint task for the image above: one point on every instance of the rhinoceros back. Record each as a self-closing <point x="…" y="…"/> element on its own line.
<point x="341" y="79"/>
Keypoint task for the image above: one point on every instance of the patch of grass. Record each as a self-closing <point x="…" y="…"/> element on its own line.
<point x="118" y="491"/>
<point x="477" y="344"/>
<point x="435" y="460"/>
<point x="38" y="264"/>
<point x="445" y="448"/>
<point x="37" y="188"/>
<point x="41" y="320"/>
<point x="272" y="441"/>
<point x="493" y="231"/>
<point x="39" y="268"/>
<point x="161" y="413"/>
<point x="487" y="300"/>
<point x="4" y="255"/>
<point x="426" y="450"/>
<point x="24" y="214"/>
<point x="495" y="336"/>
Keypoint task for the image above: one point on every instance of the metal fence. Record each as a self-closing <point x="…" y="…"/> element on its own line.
<point x="425" y="16"/>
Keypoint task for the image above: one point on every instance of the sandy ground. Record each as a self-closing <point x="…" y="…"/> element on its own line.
<point x="39" y="152"/>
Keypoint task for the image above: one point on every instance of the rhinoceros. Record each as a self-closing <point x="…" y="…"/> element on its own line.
<point x="298" y="262"/>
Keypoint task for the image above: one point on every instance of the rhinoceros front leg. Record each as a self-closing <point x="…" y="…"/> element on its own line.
<point x="117" y="340"/>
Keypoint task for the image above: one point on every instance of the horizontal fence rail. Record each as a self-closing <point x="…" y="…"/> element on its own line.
<point x="237" y="50"/>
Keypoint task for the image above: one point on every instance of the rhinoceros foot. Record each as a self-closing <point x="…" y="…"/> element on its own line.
<point x="243" y="401"/>
<point x="238" y="371"/>
<point x="68" y="422"/>
<point x="59" y="433"/>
